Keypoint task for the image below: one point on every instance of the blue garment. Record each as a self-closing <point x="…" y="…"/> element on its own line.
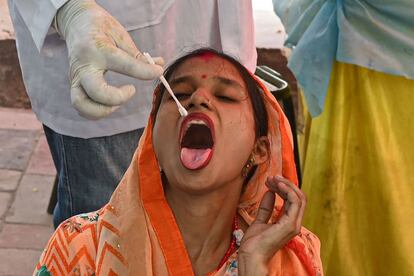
<point x="89" y="170"/>
<point x="376" y="34"/>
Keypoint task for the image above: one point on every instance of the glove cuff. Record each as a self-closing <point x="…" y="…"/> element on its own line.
<point x="68" y="13"/>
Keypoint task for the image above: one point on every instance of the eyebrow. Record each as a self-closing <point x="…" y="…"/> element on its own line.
<point x="221" y="80"/>
<point x="228" y="82"/>
<point x="182" y="80"/>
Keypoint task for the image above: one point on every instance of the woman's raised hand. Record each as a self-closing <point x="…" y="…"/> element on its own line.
<point x="262" y="240"/>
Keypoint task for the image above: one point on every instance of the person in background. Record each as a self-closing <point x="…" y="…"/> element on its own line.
<point x="200" y="195"/>
<point x="354" y="61"/>
<point x="85" y="76"/>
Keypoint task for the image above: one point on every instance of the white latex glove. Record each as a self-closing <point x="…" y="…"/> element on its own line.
<point x="97" y="42"/>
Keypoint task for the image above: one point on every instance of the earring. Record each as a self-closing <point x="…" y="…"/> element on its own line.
<point x="248" y="167"/>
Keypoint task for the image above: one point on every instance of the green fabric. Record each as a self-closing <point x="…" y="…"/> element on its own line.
<point x="43" y="271"/>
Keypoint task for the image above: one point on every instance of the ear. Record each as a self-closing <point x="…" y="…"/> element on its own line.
<point x="261" y="150"/>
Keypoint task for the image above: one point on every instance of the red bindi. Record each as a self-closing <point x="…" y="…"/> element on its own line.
<point x="203" y="76"/>
<point x="206" y="56"/>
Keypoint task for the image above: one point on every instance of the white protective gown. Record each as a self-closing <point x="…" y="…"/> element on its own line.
<point x="166" y="28"/>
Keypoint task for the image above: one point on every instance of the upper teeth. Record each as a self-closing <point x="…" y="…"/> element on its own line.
<point x="197" y="122"/>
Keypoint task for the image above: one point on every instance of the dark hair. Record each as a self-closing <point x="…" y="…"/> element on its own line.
<point x="254" y="90"/>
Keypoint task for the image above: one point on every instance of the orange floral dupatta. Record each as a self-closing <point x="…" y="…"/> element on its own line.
<point x="136" y="232"/>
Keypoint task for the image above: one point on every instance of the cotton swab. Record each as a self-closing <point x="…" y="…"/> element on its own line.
<point x="181" y="109"/>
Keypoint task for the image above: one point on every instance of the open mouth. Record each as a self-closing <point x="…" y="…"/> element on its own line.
<point x="196" y="141"/>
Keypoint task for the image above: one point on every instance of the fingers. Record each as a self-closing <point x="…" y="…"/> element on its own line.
<point x="159" y="61"/>
<point x="290" y="184"/>
<point x="295" y="203"/>
<point x="88" y="108"/>
<point x="301" y="195"/>
<point x="101" y="92"/>
<point x="124" y="42"/>
<point x="120" y="61"/>
<point x="122" y="39"/>
<point x="266" y="239"/>
<point x="266" y="208"/>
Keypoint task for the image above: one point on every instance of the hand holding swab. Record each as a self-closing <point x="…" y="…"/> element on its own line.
<point x="181" y="109"/>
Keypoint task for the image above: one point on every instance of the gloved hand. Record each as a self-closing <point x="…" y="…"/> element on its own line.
<point x="97" y="42"/>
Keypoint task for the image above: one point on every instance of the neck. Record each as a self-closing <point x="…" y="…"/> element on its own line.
<point x="206" y="223"/>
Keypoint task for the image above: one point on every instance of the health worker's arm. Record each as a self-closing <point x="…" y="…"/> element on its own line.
<point x="38" y="16"/>
<point x="96" y="43"/>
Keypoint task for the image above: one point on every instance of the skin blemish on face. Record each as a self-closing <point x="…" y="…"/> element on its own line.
<point x="206" y="56"/>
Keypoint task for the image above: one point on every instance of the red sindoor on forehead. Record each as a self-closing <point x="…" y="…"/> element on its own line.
<point x="206" y="56"/>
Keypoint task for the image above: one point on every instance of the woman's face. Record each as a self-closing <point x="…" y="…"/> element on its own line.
<point x="208" y="148"/>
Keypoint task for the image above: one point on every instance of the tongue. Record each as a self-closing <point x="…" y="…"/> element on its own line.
<point x="194" y="159"/>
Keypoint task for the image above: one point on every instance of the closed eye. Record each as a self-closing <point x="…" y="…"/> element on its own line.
<point x="182" y="96"/>
<point x="225" y="98"/>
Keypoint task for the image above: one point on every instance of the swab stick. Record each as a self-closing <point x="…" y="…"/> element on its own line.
<point x="181" y="109"/>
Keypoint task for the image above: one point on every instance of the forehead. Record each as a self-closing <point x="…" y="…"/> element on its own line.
<point x="208" y="65"/>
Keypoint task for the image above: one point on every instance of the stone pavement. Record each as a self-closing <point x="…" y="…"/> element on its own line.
<point x="26" y="180"/>
<point x="6" y="28"/>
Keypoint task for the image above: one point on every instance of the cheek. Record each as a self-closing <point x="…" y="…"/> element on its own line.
<point x="239" y="135"/>
<point x="240" y="122"/>
<point x="156" y="139"/>
<point x="163" y="136"/>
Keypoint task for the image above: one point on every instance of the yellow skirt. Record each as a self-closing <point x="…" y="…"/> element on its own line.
<point x="358" y="174"/>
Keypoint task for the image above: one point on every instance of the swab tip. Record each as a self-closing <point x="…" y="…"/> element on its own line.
<point x="183" y="111"/>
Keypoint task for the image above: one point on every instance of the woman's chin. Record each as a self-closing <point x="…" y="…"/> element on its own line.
<point x="196" y="182"/>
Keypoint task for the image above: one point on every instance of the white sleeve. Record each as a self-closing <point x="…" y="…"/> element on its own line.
<point x="38" y="16"/>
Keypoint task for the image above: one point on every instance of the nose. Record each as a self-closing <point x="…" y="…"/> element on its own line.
<point x="200" y="99"/>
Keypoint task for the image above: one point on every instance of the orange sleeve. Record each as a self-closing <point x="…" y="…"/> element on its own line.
<point x="300" y="256"/>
